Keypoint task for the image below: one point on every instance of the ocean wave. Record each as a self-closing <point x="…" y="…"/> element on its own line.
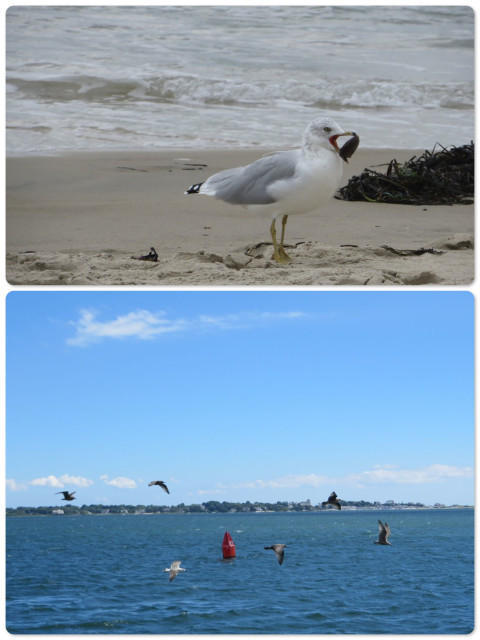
<point x="195" y="89"/>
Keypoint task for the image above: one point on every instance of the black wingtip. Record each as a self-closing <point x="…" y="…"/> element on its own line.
<point x="195" y="188"/>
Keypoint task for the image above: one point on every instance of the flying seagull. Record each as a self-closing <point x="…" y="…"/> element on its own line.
<point x="287" y="182"/>
<point x="160" y="483"/>
<point x="173" y="569"/>
<point x="279" y="551"/>
<point x="333" y="500"/>
<point x="67" y="495"/>
<point x="383" y="533"/>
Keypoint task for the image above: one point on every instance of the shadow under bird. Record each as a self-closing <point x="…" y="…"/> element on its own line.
<point x="287" y="182"/>
<point x="383" y="533"/>
<point x="174" y="569"/>
<point x="279" y="551"/>
<point x="332" y="500"/>
<point x="67" y="495"/>
<point x="160" y="483"/>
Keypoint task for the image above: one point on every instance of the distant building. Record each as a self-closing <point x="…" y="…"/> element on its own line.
<point x="58" y="512"/>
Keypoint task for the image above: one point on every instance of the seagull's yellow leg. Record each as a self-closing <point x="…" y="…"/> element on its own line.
<point x="277" y="255"/>
<point x="281" y="250"/>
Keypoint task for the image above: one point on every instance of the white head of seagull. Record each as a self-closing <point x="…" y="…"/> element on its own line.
<point x="284" y="183"/>
<point x="322" y="134"/>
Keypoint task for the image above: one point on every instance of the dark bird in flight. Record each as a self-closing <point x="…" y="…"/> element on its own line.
<point x="160" y="483"/>
<point x="333" y="500"/>
<point x="173" y="569"/>
<point x="279" y="551"/>
<point x="383" y="533"/>
<point x="67" y="495"/>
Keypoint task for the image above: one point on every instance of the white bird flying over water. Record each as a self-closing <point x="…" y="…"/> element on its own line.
<point x="287" y="182"/>
<point x="173" y="569"/>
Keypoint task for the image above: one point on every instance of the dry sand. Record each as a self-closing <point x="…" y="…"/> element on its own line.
<point x="79" y="219"/>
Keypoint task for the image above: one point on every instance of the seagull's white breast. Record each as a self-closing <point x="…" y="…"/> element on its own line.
<point x="315" y="181"/>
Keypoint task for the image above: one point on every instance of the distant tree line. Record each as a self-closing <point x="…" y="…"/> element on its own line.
<point x="212" y="506"/>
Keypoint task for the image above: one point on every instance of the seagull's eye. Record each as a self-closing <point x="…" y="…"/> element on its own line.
<point x="327" y="129"/>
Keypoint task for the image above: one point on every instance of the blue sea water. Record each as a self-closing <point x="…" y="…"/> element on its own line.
<point x="145" y="77"/>
<point x="104" y="574"/>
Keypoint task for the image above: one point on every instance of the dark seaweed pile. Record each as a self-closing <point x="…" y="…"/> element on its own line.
<point x="436" y="177"/>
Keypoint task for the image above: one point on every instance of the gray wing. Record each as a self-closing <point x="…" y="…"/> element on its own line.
<point x="160" y="483"/>
<point x="164" y="487"/>
<point x="174" y="569"/>
<point x="249" y="185"/>
<point x="382" y="532"/>
<point x="387" y="531"/>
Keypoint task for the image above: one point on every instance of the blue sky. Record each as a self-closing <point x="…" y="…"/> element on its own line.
<point x="258" y="395"/>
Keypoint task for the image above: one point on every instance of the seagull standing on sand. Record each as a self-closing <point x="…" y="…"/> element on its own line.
<point x="287" y="182"/>
<point x="173" y="569"/>
<point x="279" y="551"/>
<point x="67" y="495"/>
<point x="160" y="483"/>
<point x="333" y="500"/>
<point x="383" y="533"/>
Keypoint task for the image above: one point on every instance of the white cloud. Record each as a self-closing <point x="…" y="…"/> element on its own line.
<point x="13" y="485"/>
<point x="62" y="481"/>
<point x="203" y="492"/>
<point x="379" y="475"/>
<point x="432" y="473"/>
<point x="248" y="319"/>
<point x="120" y="482"/>
<point x="141" y="324"/>
<point x="310" y="480"/>
<point x="144" y="325"/>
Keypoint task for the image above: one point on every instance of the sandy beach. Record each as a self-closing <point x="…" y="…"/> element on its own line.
<point x="79" y="219"/>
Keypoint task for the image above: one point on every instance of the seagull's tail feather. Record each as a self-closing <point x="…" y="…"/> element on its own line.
<point x="195" y="188"/>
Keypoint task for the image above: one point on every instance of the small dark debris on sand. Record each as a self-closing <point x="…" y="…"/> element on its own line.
<point x="412" y="252"/>
<point x="436" y="177"/>
<point x="151" y="257"/>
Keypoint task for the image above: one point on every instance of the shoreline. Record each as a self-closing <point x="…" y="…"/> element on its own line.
<point x="243" y="513"/>
<point x="131" y="151"/>
<point x="78" y="218"/>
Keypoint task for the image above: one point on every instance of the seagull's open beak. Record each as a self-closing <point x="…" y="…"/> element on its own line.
<point x="333" y="139"/>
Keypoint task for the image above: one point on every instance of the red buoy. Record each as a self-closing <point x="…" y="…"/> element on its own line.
<point x="228" y="546"/>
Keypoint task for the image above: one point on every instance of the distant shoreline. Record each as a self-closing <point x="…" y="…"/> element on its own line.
<point x="163" y="510"/>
